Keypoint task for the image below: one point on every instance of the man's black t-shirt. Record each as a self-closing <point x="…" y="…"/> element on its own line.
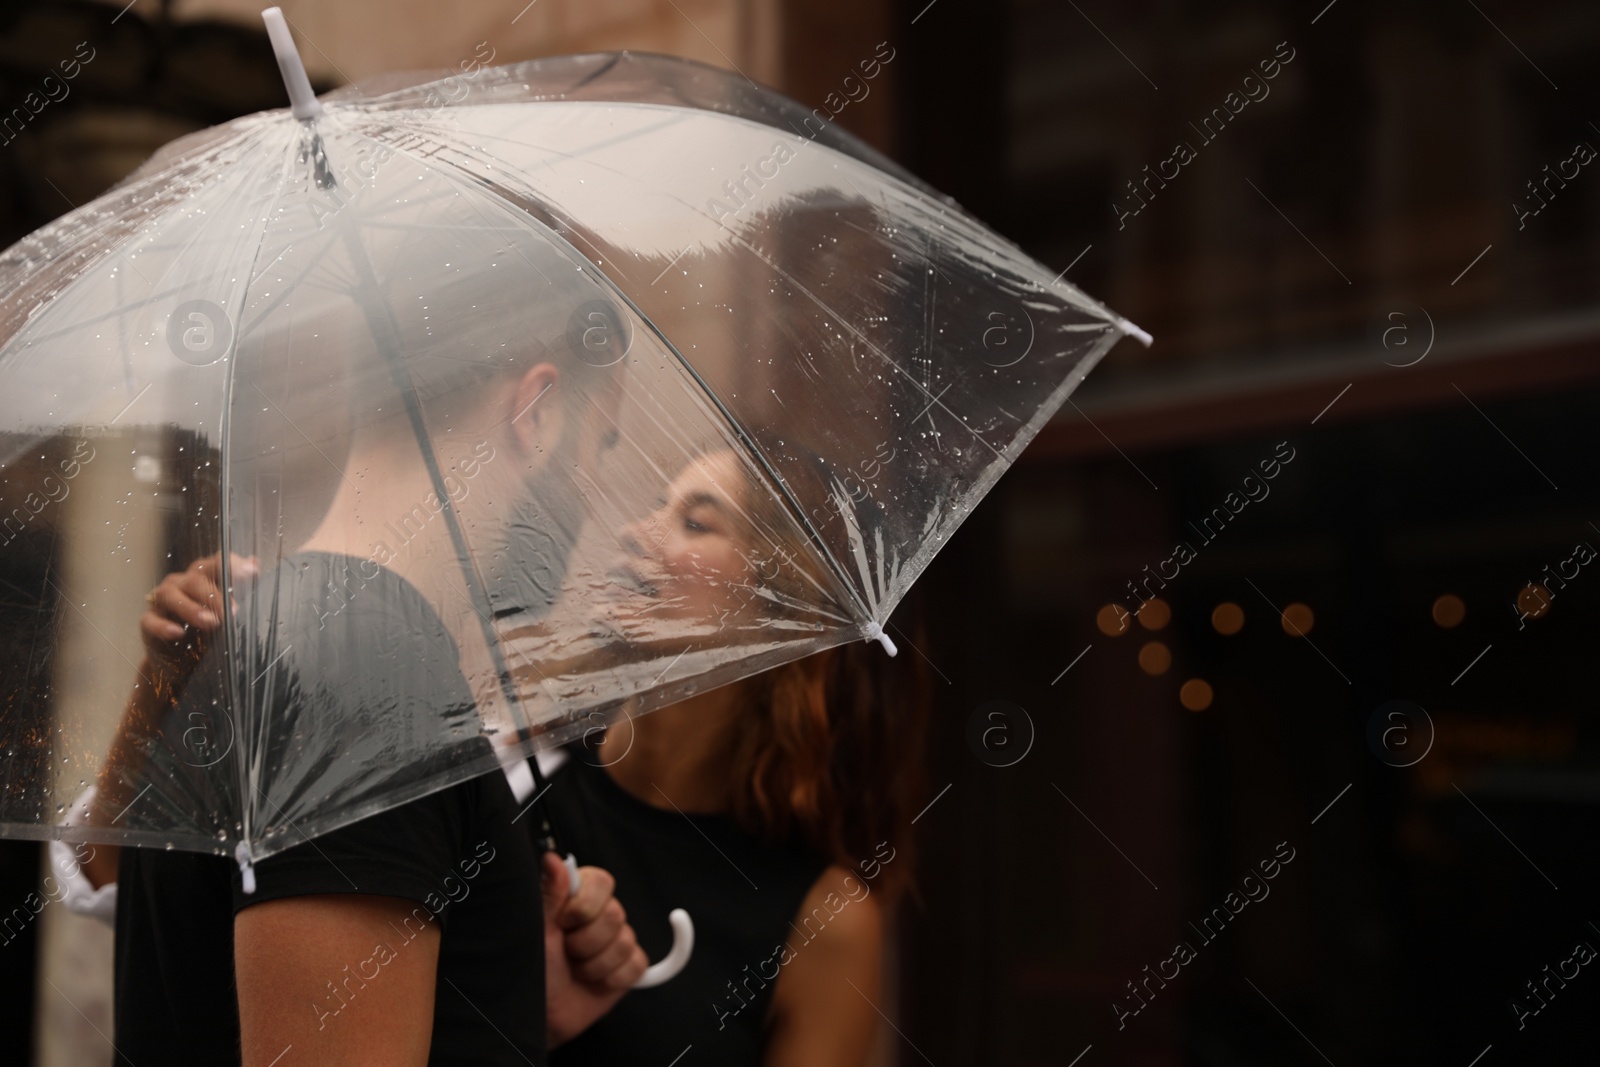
<point x="455" y="852"/>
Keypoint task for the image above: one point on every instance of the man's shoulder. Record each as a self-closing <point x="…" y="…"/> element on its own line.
<point x="348" y="624"/>
<point x="317" y="589"/>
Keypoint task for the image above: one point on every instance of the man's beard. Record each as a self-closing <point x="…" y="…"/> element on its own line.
<point x="527" y="565"/>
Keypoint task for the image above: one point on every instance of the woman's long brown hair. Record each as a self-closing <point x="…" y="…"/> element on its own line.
<point x="831" y="750"/>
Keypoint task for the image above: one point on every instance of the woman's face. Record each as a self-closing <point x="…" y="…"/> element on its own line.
<point x="687" y="560"/>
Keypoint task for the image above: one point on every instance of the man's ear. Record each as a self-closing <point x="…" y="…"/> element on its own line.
<point x="535" y="416"/>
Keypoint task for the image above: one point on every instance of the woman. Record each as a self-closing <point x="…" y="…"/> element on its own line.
<point x="775" y="809"/>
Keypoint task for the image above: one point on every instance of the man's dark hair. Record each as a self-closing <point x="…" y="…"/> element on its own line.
<point x="474" y="306"/>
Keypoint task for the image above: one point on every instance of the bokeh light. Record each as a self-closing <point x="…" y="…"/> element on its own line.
<point x="1112" y="620"/>
<point x="1195" y="694"/>
<point x="1449" y="610"/>
<point x="1154" y="614"/>
<point x="1533" y="601"/>
<point x="1298" y="619"/>
<point x="1155" y="658"/>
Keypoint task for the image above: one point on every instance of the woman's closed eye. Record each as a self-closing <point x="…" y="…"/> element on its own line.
<point x="701" y="512"/>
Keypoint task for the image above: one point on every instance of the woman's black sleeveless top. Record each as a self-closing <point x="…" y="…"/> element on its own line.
<point x="741" y="893"/>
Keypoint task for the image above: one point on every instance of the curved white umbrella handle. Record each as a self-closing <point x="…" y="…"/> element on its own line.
<point x="675" y="960"/>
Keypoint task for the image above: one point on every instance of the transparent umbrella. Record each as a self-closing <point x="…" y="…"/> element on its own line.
<point x="496" y="352"/>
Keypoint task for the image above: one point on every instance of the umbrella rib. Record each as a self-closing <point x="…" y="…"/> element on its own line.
<point x="477" y="208"/>
<point x="385" y="334"/>
<point x="248" y="769"/>
<point x="526" y="658"/>
<point x="312" y="264"/>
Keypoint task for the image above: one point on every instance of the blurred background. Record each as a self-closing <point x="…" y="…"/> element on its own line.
<point x="1348" y="485"/>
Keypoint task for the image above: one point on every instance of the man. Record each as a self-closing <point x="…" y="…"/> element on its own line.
<point x="364" y="669"/>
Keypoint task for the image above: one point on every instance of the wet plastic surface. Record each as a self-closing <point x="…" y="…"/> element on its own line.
<point x="632" y="377"/>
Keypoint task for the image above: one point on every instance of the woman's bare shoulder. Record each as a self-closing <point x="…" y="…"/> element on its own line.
<point x="838" y="934"/>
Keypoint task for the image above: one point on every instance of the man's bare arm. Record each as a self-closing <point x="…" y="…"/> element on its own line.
<point x="325" y="980"/>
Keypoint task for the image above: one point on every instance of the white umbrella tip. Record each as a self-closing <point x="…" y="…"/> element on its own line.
<point x="875" y="632"/>
<point x="302" y="101"/>
<point x="1135" y="332"/>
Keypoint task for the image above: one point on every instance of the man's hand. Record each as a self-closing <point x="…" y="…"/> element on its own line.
<point x="591" y="957"/>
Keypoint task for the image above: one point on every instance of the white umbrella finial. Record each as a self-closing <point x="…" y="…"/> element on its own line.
<point x="302" y="101"/>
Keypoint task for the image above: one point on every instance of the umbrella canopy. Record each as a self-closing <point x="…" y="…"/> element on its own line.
<point x="533" y="393"/>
